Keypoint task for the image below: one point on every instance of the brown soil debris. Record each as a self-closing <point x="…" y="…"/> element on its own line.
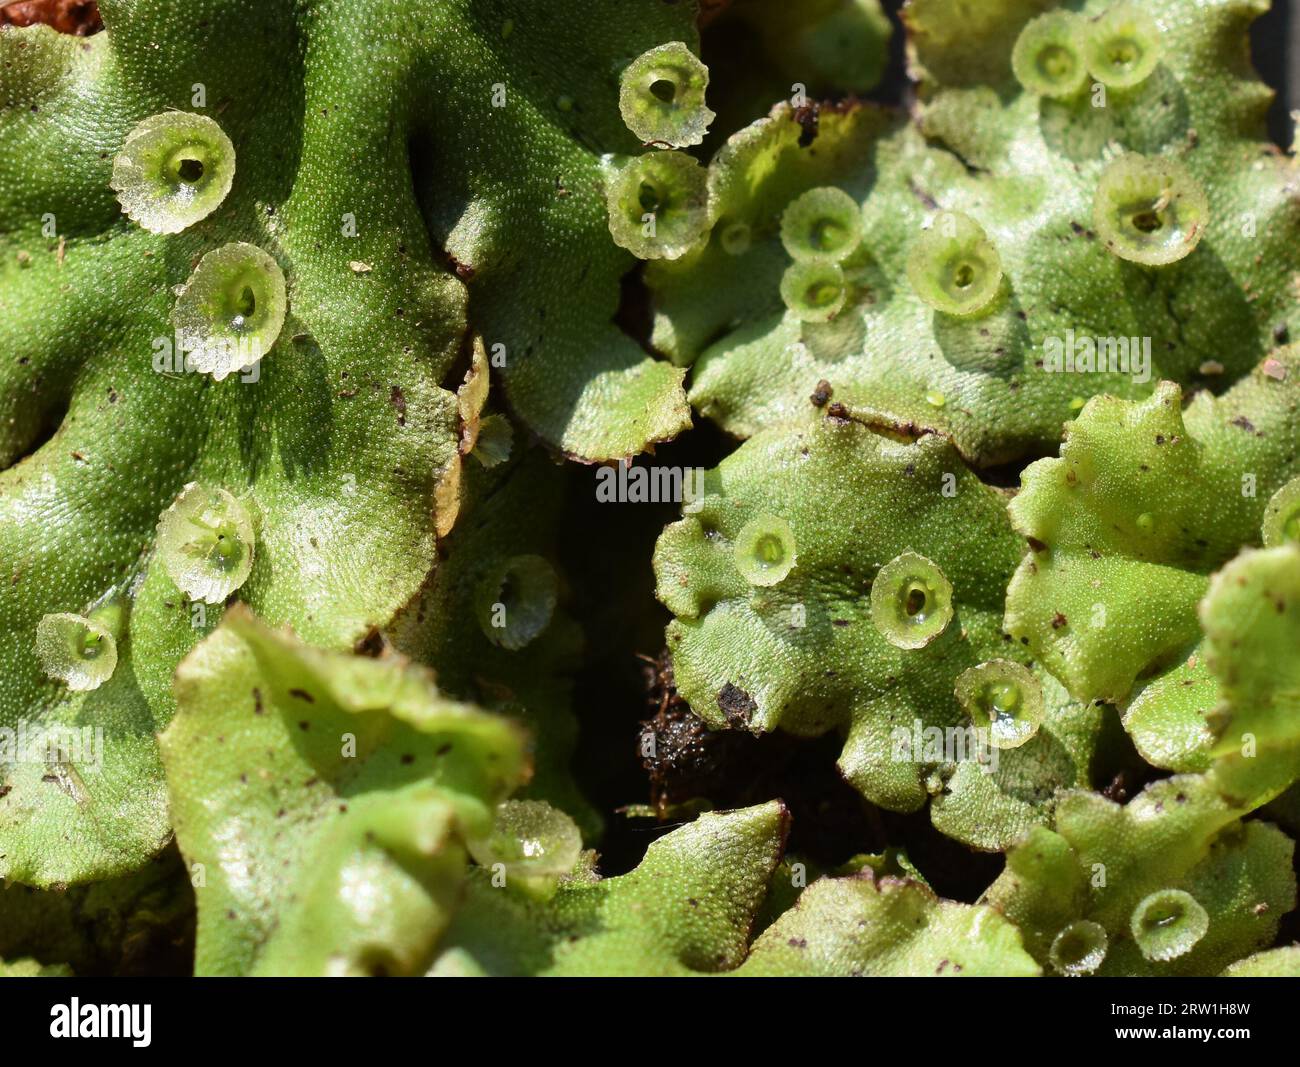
<point x="77" y="17"/>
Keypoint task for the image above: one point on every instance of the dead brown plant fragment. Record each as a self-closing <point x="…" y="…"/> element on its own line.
<point x="77" y="17"/>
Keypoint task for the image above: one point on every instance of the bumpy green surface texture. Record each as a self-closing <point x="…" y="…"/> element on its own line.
<point x="1145" y="501"/>
<point x="686" y="909"/>
<point x="806" y="656"/>
<point x="1103" y="858"/>
<point x="1276" y="963"/>
<point x="1231" y="707"/>
<point x="1027" y="170"/>
<point x="341" y="442"/>
<point x="323" y="802"/>
<point x="308" y="778"/>
<point x="689" y="907"/>
<point x="344" y="486"/>
<point x="887" y="927"/>
<point x="532" y="684"/>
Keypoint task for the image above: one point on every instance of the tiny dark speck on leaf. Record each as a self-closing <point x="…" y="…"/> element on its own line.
<point x="302" y="694"/>
<point x="809" y="119"/>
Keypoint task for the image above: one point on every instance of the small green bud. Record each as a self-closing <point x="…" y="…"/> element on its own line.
<point x="1004" y="698"/>
<point x="1079" y="948"/>
<point x="911" y="601"/>
<point x="1168" y="924"/>
<point x="77" y="651"/>
<point x="823" y="225"/>
<point x="231" y="310"/>
<point x="173" y="170"/>
<point x="815" y="292"/>
<point x="1123" y="46"/>
<point x="954" y="267"/>
<point x="1048" y="59"/>
<point x="1150" y="210"/>
<point x="205" y="543"/>
<point x="515" y="601"/>
<point x="661" y="96"/>
<point x="532" y="839"/>
<point x="659" y="205"/>
<point x="765" y="550"/>
<point x="1282" y="516"/>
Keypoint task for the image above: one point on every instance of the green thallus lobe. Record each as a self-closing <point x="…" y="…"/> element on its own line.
<point x="175" y="170"/>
